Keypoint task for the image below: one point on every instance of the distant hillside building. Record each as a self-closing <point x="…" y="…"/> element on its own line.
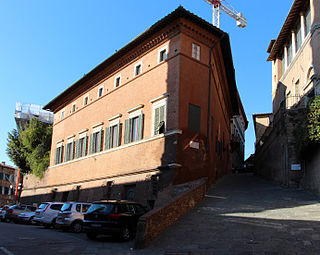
<point x="295" y="57"/>
<point x="155" y="114"/>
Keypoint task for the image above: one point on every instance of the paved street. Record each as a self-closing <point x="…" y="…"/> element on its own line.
<point x="241" y="214"/>
<point x="25" y="239"/>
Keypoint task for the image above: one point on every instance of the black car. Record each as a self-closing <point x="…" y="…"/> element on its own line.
<point x="113" y="217"/>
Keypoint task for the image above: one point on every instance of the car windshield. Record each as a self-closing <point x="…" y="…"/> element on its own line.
<point x="42" y="206"/>
<point x="103" y="208"/>
<point x="66" y="207"/>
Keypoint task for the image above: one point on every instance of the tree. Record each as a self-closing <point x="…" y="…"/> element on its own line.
<point x="307" y="130"/>
<point x="16" y="153"/>
<point x="31" y="145"/>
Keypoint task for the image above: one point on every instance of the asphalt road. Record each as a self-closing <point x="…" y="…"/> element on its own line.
<point x="240" y="215"/>
<point x="29" y="239"/>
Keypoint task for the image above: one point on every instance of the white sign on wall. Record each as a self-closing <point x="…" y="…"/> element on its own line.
<point x="194" y="145"/>
<point x="296" y="167"/>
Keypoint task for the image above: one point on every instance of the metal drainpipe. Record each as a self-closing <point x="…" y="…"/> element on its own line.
<point x="209" y="92"/>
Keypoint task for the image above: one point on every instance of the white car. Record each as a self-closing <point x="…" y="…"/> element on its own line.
<point x="47" y="213"/>
<point x="71" y="216"/>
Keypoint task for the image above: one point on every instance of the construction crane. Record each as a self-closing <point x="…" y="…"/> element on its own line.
<point x="218" y="6"/>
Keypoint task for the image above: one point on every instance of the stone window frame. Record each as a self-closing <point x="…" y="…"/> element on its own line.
<point x="135" y="74"/>
<point x="116" y="79"/>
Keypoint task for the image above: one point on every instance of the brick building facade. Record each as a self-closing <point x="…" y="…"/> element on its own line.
<point x="7" y="184"/>
<point x="295" y="80"/>
<point x="154" y="114"/>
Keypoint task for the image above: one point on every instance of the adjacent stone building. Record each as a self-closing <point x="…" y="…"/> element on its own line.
<point x="7" y="184"/>
<point x="295" y="60"/>
<point x="155" y="114"/>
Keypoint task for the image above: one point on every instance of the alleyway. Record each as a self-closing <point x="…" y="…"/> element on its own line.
<point x="243" y="214"/>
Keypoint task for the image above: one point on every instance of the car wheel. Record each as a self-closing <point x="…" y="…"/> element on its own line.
<point x="76" y="227"/>
<point x="53" y="223"/>
<point x="91" y="235"/>
<point x="30" y="221"/>
<point x="125" y="234"/>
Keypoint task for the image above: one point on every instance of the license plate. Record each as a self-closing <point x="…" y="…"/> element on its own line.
<point x="96" y="225"/>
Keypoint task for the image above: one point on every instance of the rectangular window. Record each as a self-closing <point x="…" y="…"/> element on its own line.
<point x="112" y="136"/>
<point x="283" y="62"/>
<point x="73" y="109"/>
<point x="117" y="81"/>
<point x="289" y="52"/>
<point x="85" y="100"/>
<point x="298" y="37"/>
<point x="133" y="129"/>
<point x="68" y="155"/>
<point x="196" y="51"/>
<point x="194" y="118"/>
<point x="81" y="147"/>
<point x="307" y="22"/>
<point x="100" y="92"/>
<point x="95" y="142"/>
<point x="62" y="115"/>
<point x="58" y="155"/>
<point x="163" y="53"/>
<point x="138" y="69"/>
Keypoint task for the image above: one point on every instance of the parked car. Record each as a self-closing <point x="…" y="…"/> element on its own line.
<point x="3" y="212"/>
<point x="113" y="217"/>
<point x="71" y="216"/>
<point x="26" y="217"/>
<point x="13" y="211"/>
<point x="47" y="213"/>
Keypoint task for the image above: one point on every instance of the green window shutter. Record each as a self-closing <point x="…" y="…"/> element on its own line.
<point x="194" y="118"/>
<point x="91" y="144"/>
<point x="61" y="154"/>
<point x="99" y="141"/>
<point x="72" y="151"/>
<point x="107" y="139"/>
<point x="156" y="120"/>
<point x="140" y="126"/>
<point x="65" y="154"/>
<point x="85" y="149"/>
<point x="77" y="148"/>
<point x="118" y="135"/>
<point x="126" y="131"/>
<point x="56" y="157"/>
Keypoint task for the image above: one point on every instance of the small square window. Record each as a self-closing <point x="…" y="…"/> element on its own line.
<point x="162" y="55"/>
<point x="85" y="100"/>
<point x="100" y="92"/>
<point x="117" y="81"/>
<point x="196" y="51"/>
<point x="62" y="115"/>
<point x="138" y="69"/>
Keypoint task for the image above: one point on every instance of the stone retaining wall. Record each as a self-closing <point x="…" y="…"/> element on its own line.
<point x="157" y="220"/>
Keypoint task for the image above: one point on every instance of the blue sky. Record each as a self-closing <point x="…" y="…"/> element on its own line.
<point x="46" y="46"/>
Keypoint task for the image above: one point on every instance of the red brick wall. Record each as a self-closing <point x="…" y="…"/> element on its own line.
<point x="154" y="222"/>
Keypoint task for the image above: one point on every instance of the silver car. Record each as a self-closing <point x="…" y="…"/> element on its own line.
<point x="71" y="216"/>
<point x="47" y="213"/>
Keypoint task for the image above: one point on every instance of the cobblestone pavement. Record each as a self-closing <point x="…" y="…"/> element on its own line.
<point x="243" y="214"/>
